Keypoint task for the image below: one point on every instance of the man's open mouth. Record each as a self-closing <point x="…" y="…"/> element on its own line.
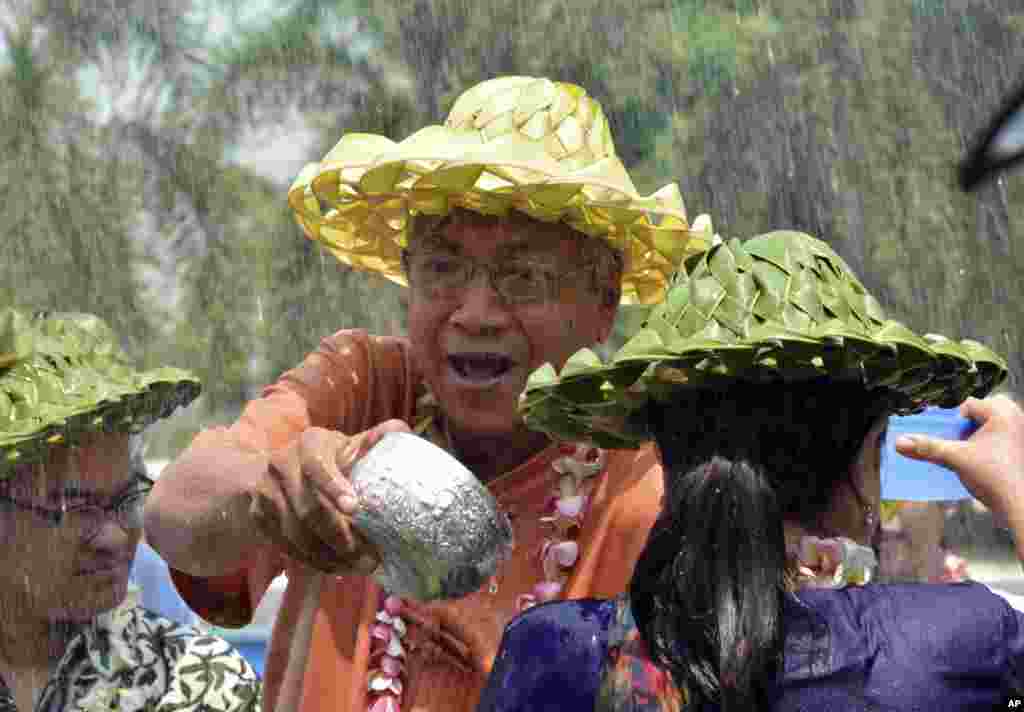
<point x="480" y="368"/>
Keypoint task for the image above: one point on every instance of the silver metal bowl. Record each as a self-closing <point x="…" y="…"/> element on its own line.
<point x="439" y="531"/>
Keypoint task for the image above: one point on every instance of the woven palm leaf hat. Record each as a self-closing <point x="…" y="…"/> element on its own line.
<point x="782" y="306"/>
<point x="539" y="147"/>
<point x="62" y="375"/>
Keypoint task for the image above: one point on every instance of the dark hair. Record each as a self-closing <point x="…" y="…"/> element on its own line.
<point x="708" y="588"/>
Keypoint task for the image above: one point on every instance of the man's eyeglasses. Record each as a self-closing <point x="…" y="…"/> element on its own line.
<point x="87" y="518"/>
<point x="521" y="280"/>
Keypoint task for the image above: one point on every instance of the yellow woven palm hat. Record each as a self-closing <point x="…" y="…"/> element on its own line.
<point x="539" y="147"/>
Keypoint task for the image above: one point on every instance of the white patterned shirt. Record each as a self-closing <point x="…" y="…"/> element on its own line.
<point x="130" y="659"/>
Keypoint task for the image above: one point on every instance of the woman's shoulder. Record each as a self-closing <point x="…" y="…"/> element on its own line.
<point x="915" y="638"/>
<point x="551" y="657"/>
<point x="579" y="618"/>
<point x="969" y="614"/>
<point x="909" y="605"/>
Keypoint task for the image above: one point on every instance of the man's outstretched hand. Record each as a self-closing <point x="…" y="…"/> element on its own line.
<point x="305" y="501"/>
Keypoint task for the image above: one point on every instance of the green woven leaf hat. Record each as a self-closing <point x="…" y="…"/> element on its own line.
<point x="62" y="375"/>
<point x="782" y="306"/>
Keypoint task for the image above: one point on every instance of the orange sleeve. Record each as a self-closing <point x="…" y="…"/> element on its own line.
<point x="350" y="383"/>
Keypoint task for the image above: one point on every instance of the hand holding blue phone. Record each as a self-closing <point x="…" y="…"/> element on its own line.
<point x="908" y="479"/>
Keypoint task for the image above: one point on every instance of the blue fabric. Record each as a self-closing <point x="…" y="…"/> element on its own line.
<point x="551" y="658"/>
<point x="158" y="593"/>
<point x="255" y="652"/>
<point x="900" y="647"/>
<point x="877" y="647"/>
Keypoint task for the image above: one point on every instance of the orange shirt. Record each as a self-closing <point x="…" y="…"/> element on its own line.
<point x="352" y="382"/>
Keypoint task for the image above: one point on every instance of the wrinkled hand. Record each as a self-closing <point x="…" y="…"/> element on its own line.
<point x="990" y="463"/>
<point x="304" y="502"/>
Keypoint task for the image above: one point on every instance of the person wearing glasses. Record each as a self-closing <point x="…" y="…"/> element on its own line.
<point x="71" y="506"/>
<point x="518" y="232"/>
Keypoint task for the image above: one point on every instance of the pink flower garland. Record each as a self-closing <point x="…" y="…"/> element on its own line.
<point x="387" y="656"/>
<point x="833" y="563"/>
<point x="565" y="510"/>
<point x="576" y="470"/>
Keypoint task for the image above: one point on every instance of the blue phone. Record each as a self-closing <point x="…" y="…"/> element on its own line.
<point x="907" y="479"/>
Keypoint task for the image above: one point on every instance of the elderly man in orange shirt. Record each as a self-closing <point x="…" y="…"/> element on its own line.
<point x="518" y="232"/>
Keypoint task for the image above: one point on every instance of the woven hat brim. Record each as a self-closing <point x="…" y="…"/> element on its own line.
<point x="358" y="200"/>
<point x="601" y="403"/>
<point x="43" y="404"/>
<point x="676" y="350"/>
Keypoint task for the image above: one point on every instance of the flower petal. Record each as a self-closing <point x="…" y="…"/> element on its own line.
<point x="393" y="605"/>
<point x="547" y="590"/>
<point x="566" y="553"/>
<point x="570" y="506"/>
<point x="380" y="632"/>
<point x="379" y="682"/>
<point x="398" y="625"/>
<point x="525" y="601"/>
<point x="391" y="666"/>
<point x="385" y="703"/>
<point x="395" y="648"/>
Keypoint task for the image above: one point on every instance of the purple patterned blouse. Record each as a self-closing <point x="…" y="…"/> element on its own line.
<point x="876" y="647"/>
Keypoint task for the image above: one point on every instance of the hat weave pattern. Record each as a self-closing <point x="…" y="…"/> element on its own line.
<point x="62" y="375"/>
<point x="513" y="143"/>
<point x="779" y="307"/>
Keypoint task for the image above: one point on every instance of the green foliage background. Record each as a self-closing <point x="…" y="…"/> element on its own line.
<point x="843" y="118"/>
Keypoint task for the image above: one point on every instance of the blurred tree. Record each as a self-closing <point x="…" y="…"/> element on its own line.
<point x="850" y="130"/>
<point x="238" y="294"/>
<point x="304" y="69"/>
<point x="67" y="236"/>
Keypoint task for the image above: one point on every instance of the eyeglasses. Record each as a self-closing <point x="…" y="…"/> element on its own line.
<point x="87" y="519"/>
<point x="517" y="281"/>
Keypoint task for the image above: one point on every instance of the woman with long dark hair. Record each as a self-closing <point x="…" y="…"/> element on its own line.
<point x="766" y="378"/>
